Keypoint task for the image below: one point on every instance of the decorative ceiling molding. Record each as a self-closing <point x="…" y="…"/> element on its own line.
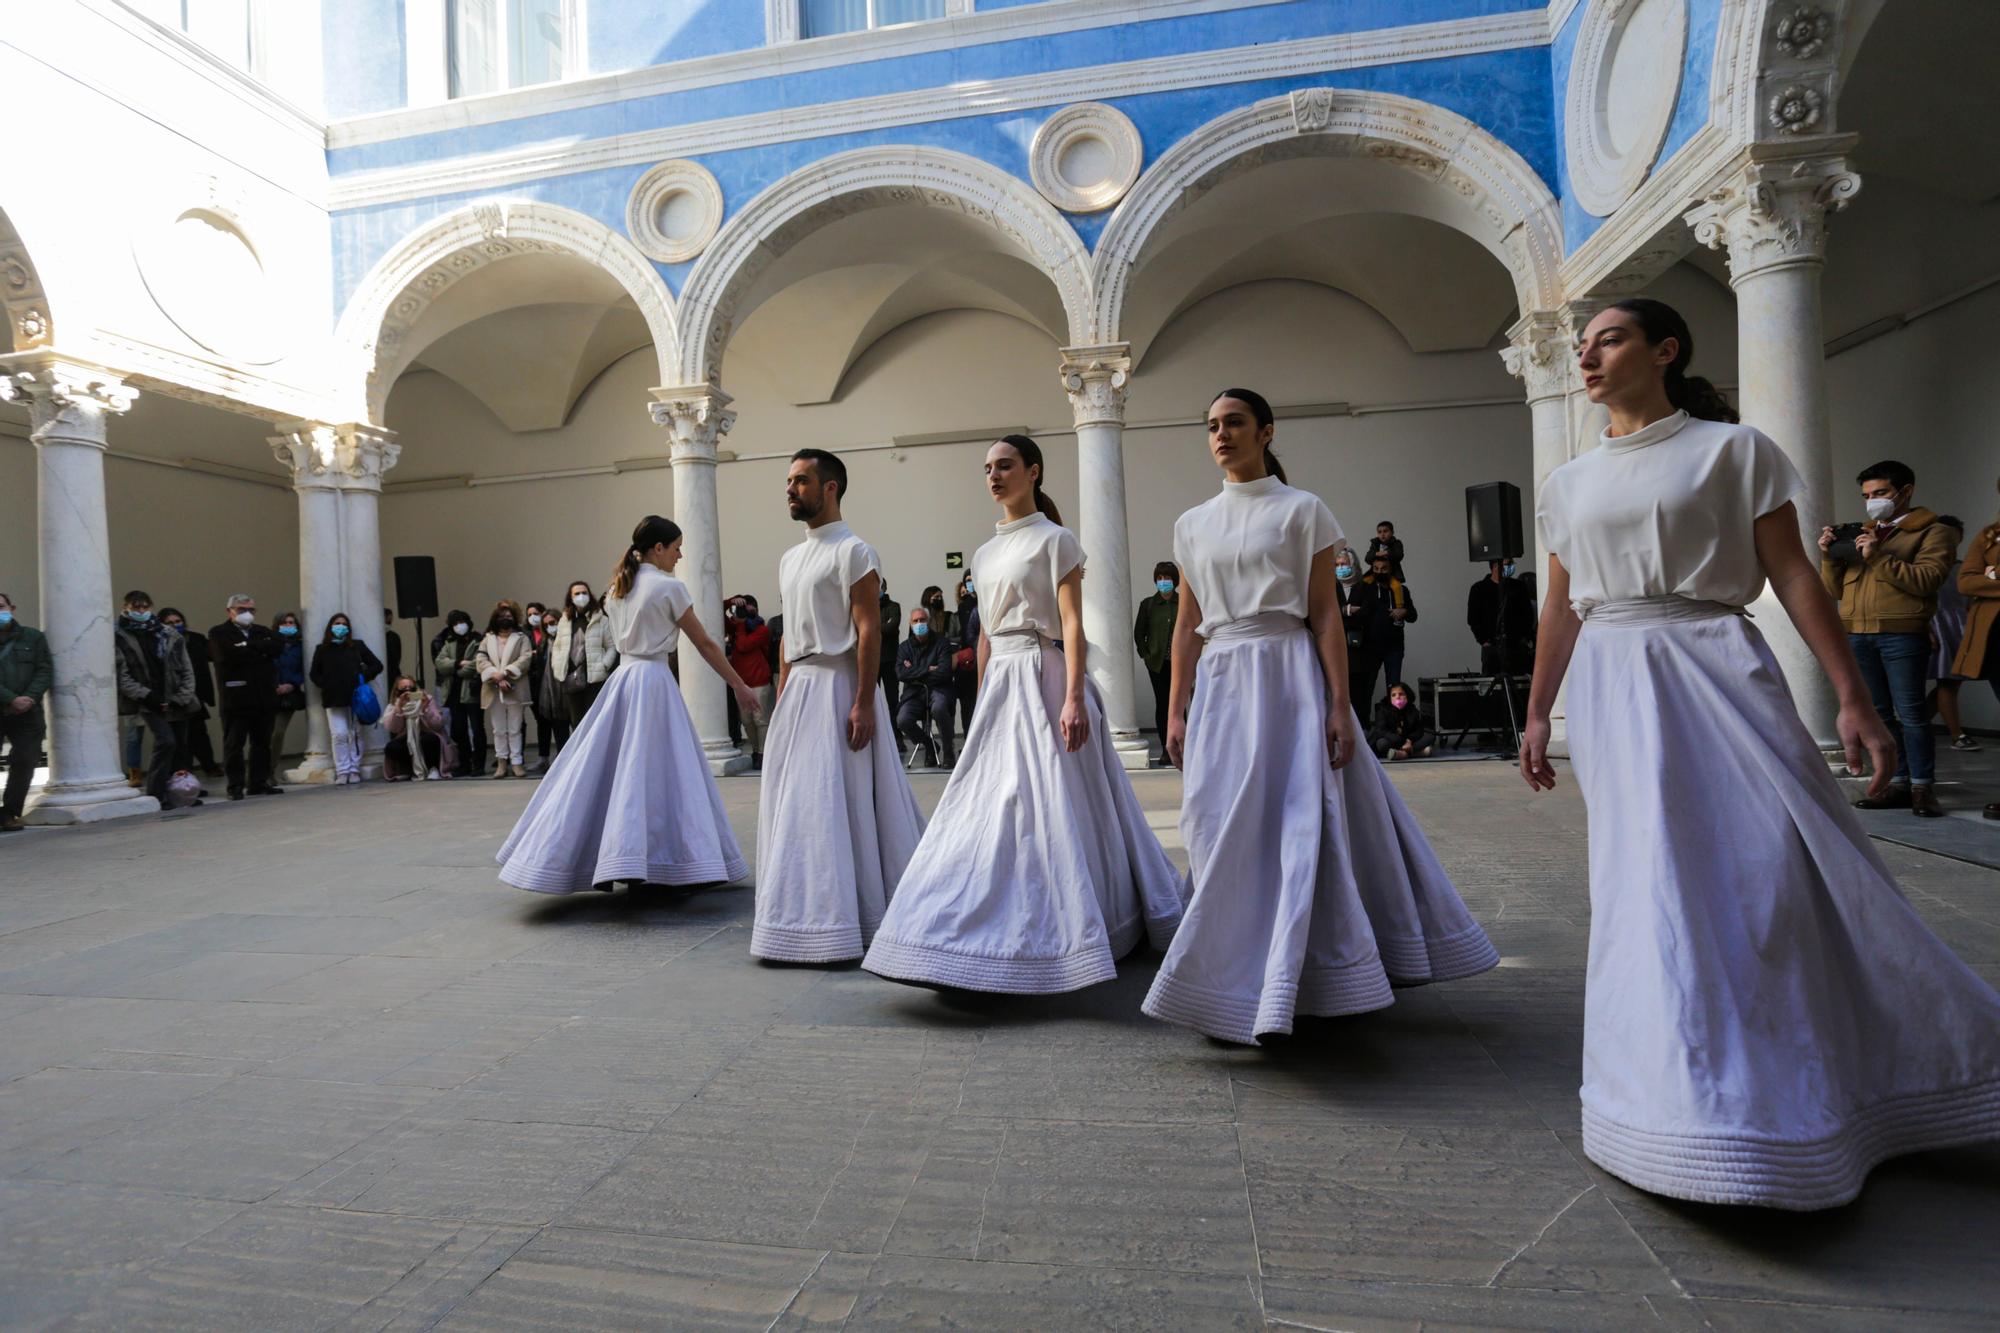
<point x="23" y="301"/>
<point x="699" y="197"/>
<point x="1088" y="139"/>
<point x="1603" y="174"/>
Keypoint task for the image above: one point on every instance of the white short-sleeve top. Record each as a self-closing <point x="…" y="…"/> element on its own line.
<point x="645" y="622"/>
<point x="1249" y="551"/>
<point x="1017" y="573"/>
<point x="1667" y="511"/>
<point x="815" y="579"/>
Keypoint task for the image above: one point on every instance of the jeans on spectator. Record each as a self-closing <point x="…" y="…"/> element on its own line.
<point x="1392" y="666"/>
<point x="133" y="738"/>
<point x="1362" y="666"/>
<point x="23" y="733"/>
<point x="161" y="766"/>
<point x="1894" y="667"/>
<point x="345" y="736"/>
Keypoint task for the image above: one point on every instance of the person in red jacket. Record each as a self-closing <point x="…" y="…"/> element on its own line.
<point x="750" y="654"/>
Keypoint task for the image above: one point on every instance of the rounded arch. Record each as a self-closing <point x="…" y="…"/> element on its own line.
<point x="1489" y="192"/>
<point x="24" y="300"/>
<point x="1779" y="65"/>
<point x="853" y="182"/>
<point x="374" y="329"/>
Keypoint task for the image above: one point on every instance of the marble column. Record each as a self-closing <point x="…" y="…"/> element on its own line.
<point x="1096" y="379"/>
<point x="696" y="416"/>
<point x="1771" y="221"/>
<point x="69" y="403"/>
<point x="1541" y="354"/>
<point x="337" y="473"/>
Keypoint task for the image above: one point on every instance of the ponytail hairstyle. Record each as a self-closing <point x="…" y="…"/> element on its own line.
<point x="1692" y="394"/>
<point x="1031" y="456"/>
<point x="1260" y="409"/>
<point x="652" y="531"/>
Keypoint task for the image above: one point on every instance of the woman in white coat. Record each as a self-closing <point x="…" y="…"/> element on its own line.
<point x="1765" y="1016"/>
<point x="630" y="798"/>
<point x="1038" y="871"/>
<point x="1314" y="890"/>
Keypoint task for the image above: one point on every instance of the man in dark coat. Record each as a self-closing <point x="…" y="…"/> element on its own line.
<point x="245" y="657"/>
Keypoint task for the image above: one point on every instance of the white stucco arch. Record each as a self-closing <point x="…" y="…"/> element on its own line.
<point x="1755" y="62"/>
<point x="24" y="300"/>
<point x="853" y="182"/>
<point x="422" y="266"/>
<point x="1495" y="197"/>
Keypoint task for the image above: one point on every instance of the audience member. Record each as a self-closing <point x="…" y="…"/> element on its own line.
<point x="1979" y="653"/>
<point x="339" y="664"/>
<point x="749" y="651"/>
<point x="1947" y="632"/>
<point x="503" y="662"/>
<point x="1153" y="636"/>
<point x="541" y="634"/>
<point x="1887" y="585"/>
<point x="244" y="655"/>
<point x="585" y="654"/>
<point x="455" y="654"/>
<point x="965" y="662"/>
<point x="392" y="644"/>
<point x="291" y="688"/>
<point x="1363" y="609"/>
<point x="923" y="666"/>
<point x="1386" y="542"/>
<point x="892" y="628"/>
<point x="412" y="712"/>
<point x="155" y="685"/>
<point x="27" y="671"/>
<point x="196" y="752"/>
<point x="1400" y="730"/>
<point x="1500" y="612"/>
<point x="1393" y="612"/>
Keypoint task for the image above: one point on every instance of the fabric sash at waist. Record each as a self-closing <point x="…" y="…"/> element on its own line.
<point x="823" y="659"/>
<point x="661" y="658"/>
<point x="1269" y="625"/>
<point x="1009" y="642"/>
<point x="1656" y="611"/>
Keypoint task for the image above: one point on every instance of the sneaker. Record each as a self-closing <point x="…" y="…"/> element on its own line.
<point x="431" y="776"/>
<point x="1965" y="743"/>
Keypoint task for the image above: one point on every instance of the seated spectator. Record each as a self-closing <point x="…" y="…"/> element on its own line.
<point x="749" y="650"/>
<point x="26" y="672"/>
<point x="155" y="685"/>
<point x="339" y="664"/>
<point x="923" y="664"/>
<point x="1386" y="542"/>
<point x="1392" y="612"/>
<point x="412" y="712"/>
<point x="1400" y="730"/>
<point x="291" y="683"/>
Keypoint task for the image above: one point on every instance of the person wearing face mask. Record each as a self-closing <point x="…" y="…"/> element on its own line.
<point x="419" y="748"/>
<point x="196" y="752"/>
<point x="155" y="684"/>
<point x="923" y="665"/>
<point x="1392" y="612"/>
<point x="502" y="661"/>
<point x="548" y="690"/>
<point x="585" y="652"/>
<point x="1887" y="587"/>
<point x="892" y="628"/>
<point x="27" y="671"/>
<point x="291" y="688"/>
<point x="749" y="648"/>
<point x="455" y="653"/>
<point x="540" y="630"/>
<point x="1364" y="611"/>
<point x="339" y="663"/>
<point x="964" y="666"/>
<point x="1400" y="730"/>
<point x="1153" y="636"/>
<point x="1500" y="612"/>
<point x="245" y="657"/>
<point x="1978" y="656"/>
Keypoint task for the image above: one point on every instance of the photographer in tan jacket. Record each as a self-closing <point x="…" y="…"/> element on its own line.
<point x="1979" y="650"/>
<point x="1886" y="578"/>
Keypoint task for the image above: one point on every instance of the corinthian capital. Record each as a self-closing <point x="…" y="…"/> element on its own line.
<point x="697" y="415"/>
<point x="1539" y="353"/>
<point x="347" y="457"/>
<point x="1773" y="215"/>
<point x="1096" y="379"/>
<point x="67" y="400"/>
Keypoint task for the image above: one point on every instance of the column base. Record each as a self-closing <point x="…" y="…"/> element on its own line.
<point x="1135" y="753"/>
<point x="87" y="803"/>
<point x="313" y="768"/>
<point x="725" y="760"/>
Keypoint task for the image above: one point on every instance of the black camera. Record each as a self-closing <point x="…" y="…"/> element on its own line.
<point x="1842" y="550"/>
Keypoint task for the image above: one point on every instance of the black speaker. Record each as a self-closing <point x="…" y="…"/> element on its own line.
<point x="416" y="587"/>
<point x="1493" y="521"/>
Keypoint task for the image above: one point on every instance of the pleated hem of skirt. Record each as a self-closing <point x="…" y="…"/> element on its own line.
<point x="1319" y="993"/>
<point x="554" y="879"/>
<point x="794" y="944"/>
<point x="1796" y="1176"/>
<point x="1419" y="962"/>
<point x="899" y="961"/>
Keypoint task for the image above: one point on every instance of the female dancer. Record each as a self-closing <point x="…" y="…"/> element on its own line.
<point x="1765" y="1017"/>
<point x="1313" y="887"/>
<point x="630" y="797"/>
<point x="1037" y="871"/>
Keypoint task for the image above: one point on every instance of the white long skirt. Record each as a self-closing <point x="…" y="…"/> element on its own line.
<point x="1765" y="1017"/>
<point x="835" y="826"/>
<point x="629" y="798"/>
<point x="1038" y="870"/>
<point x="1313" y="889"/>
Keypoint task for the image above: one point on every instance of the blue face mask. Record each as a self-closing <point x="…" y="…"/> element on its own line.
<point x="1507" y="570"/>
<point x="6" y="619"/>
<point x="1166" y="587"/>
<point x="140" y="617"/>
<point x="288" y="630"/>
<point x="920" y="629"/>
<point x="340" y="631"/>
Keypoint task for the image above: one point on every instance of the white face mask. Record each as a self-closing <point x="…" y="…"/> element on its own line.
<point x="1881" y="507"/>
<point x="245" y="619"/>
<point x="534" y="620"/>
<point x="580" y="600"/>
<point x="462" y="627"/>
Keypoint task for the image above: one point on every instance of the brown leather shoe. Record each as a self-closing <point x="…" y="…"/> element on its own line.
<point x="1922" y="803"/>
<point x="1896" y="798"/>
<point x="1993" y="810"/>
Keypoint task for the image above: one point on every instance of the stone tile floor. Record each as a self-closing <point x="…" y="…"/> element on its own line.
<point x="305" y="1064"/>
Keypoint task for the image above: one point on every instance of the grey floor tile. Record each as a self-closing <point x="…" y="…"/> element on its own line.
<point x="61" y="1244"/>
<point x="1365" y="1307"/>
<point x="52" y="1111"/>
<point x="227" y="976"/>
<point x="852" y="1068"/>
<point x="68" y="1031"/>
<point x="1097" y="1082"/>
<point x="386" y="982"/>
<point x="904" y="1292"/>
<point x="591" y="1066"/>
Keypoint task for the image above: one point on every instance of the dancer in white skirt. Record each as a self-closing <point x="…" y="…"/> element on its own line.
<point x="1314" y="890"/>
<point x="836" y="821"/>
<point x="630" y="798"/>
<point x="1038" y="871"/>
<point x="1765" y="1016"/>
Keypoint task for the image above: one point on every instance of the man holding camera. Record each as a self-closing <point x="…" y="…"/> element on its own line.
<point x="748" y="642"/>
<point x="1885" y="573"/>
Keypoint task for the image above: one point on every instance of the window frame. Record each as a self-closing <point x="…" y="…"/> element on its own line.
<point x="427" y="25"/>
<point x="784" y="21"/>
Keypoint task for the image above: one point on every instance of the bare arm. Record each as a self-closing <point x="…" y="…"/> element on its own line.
<point x="718" y="662"/>
<point x="1798" y="589"/>
<point x="1555" y="641"/>
<point x="864" y="601"/>
<point x="1343" y="732"/>
<point x="1074" y="725"/>
<point x="1186" y="655"/>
